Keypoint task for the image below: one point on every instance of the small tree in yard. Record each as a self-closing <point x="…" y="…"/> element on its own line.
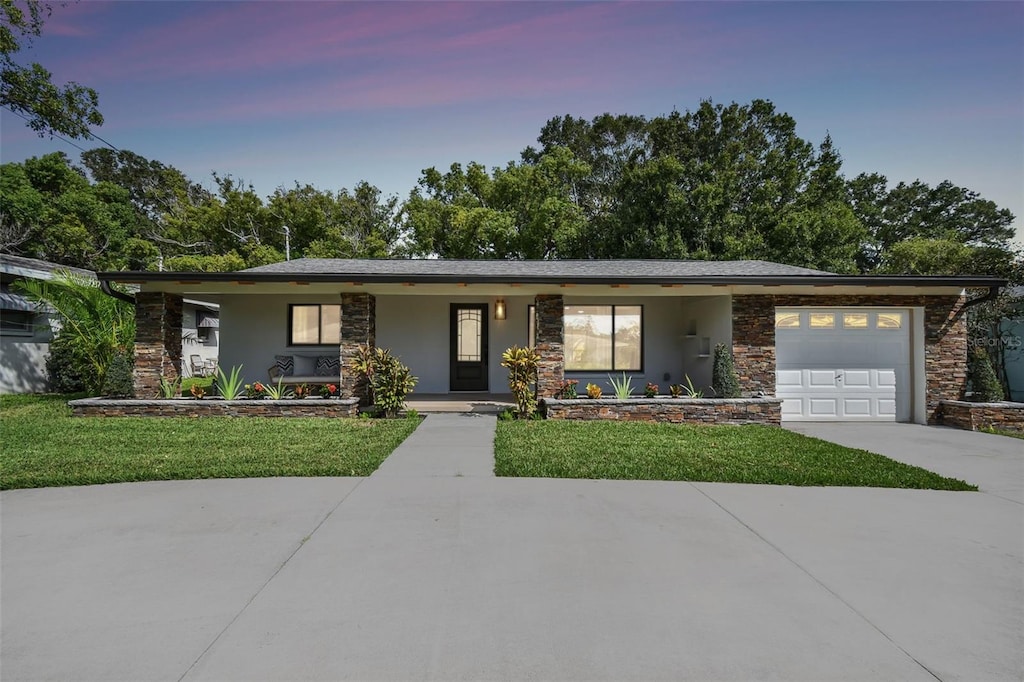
<point x="724" y="381"/>
<point x="985" y="385"/>
<point x="522" y="375"/>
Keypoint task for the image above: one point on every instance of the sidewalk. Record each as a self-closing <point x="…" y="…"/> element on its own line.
<point x="445" y="444"/>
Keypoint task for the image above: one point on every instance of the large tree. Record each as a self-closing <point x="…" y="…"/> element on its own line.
<point x="524" y="210"/>
<point x="28" y="89"/>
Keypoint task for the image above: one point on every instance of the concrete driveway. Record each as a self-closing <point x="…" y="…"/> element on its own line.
<point x="993" y="463"/>
<point x="471" y="577"/>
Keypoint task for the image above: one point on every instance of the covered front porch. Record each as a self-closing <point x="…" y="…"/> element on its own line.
<point x="452" y="337"/>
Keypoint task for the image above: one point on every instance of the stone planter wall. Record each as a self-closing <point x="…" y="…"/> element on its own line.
<point x="188" y="407"/>
<point x="1005" y="416"/>
<point x="674" y="410"/>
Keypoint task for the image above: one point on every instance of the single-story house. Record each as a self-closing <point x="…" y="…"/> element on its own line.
<point x="835" y="347"/>
<point x="26" y="330"/>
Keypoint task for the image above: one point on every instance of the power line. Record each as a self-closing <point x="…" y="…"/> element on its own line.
<point x="91" y="134"/>
<point x="97" y="137"/>
<point x="52" y="134"/>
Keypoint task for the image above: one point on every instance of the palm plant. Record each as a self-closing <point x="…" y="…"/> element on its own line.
<point x="94" y="325"/>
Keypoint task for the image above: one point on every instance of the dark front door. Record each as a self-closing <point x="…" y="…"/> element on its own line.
<point x="469" y="347"/>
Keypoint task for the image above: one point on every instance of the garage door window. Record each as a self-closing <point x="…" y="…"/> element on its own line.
<point x="855" y="320"/>
<point x="890" y="320"/>
<point x="787" y="320"/>
<point x="822" y="321"/>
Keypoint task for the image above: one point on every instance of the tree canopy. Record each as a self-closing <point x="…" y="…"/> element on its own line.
<point x="720" y="182"/>
<point x="28" y="89"/>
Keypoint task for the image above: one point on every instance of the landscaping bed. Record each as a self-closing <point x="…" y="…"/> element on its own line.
<point x="214" y="407"/>
<point x="43" y="446"/>
<point x="680" y="452"/>
<point x="1001" y="416"/>
<point x="666" y="409"/>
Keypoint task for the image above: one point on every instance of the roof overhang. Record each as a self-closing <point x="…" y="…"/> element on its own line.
<point x="233" y="283"/>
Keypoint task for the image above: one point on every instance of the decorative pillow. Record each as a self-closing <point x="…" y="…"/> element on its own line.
<point x="285" y="365"/>
<point x="328" y="366"/>
<point x="304" y="365"/>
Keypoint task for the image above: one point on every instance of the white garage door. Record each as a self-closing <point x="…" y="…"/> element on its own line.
<point x="843" y="364"/>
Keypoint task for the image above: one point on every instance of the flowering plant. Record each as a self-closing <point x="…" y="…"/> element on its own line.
<point x="328" y="390"/>
<point x="197" y="391"/>
<point x="568" y="389"/>
<point x="650" y="390"/>
<point x="593" y="391"/>
<point x="301" y="391"/>
<point x="255" y="391"/>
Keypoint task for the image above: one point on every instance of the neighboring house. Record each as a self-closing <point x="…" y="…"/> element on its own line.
<point x="200" y="336"/>
<point x="1011" y="336"/>
<point x="835" y="347"/>
<point x="26" y="331"/>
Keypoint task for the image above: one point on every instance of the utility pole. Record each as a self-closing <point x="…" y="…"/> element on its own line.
<point x="287" y="242"/>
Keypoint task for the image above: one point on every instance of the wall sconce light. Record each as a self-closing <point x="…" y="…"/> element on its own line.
<point x="499" y="309"/>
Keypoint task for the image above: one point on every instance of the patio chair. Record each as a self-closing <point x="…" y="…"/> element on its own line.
<point x="210" y="367"/>
<point x="198" y="368"/>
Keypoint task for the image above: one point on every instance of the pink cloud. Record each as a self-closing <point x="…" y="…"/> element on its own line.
<point x="73" y="20"/>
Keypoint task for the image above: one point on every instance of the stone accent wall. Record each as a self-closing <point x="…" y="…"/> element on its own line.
<point x="945" y="342"/>
<point x="1005" y="416"/>
<point x="550" y="344"/>
<point x="157" y="341"/>
<point x="945" y="329"/>
<point x="185" y="407"/>
<point x="673" y="410"/>
<point x="753" y="343"/>
<point x="358" y="328"/>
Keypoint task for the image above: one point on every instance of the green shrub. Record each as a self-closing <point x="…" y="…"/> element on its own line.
<point x="985" y="385"/>
<point x="118" y="381"/>
<point x="522" y="377"/>
<point x="724" y="380"/>
<point x="68" y="367"/>
<point x="387" y="380"/>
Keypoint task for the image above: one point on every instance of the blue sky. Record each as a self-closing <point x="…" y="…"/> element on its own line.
<point x="331" y="93"/>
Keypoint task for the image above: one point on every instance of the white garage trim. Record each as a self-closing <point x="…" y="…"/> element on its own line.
<point x="848" y="363"/>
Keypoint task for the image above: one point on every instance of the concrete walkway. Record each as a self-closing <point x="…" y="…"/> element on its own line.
<point x="419" y="573"/>
<point x="445" y="444"/>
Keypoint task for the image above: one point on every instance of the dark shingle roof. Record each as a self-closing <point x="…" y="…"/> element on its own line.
<point x="40" y="269"/>
<point x="525" y="270"/>
<point x="553" y="272"/>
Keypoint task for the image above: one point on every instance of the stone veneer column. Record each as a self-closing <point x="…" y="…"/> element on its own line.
<point x="157" y="341"/>
<point x="945" y="351"/>
<point x="550" y="344"/>
<point x="753" y="343"/>
<point x="358" y="328"/>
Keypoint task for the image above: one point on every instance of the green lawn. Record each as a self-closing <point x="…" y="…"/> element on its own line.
<point x="671" y="452"/>
<point x="41" y="445"/>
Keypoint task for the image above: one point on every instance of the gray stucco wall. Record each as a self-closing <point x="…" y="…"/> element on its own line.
<point x="669" y="349"/>
<point x="416" y="329"/>
<point x="23" y="365"/>
<point x="23" y="359"/>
